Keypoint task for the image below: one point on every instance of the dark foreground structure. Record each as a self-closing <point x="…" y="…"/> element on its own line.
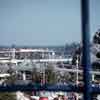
<point x="86" y="48"/>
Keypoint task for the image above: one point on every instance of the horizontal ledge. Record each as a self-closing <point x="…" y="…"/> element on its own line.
<point x="38" y="87"/>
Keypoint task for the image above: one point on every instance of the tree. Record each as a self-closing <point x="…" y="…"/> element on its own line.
<point x="51" y="77"/>
<point x="7" y="96"/>
<point x="73" y="77"/>
<point x="96" y="45"/>
<point x="96" y="55"/>
<point x="12" y="78"/>
<point x="36" y="76"/>
<point x="96" y="38"/>
<point x="70" y="48"/>
<point x="77" y="53"/>
<point x="67" y="76"/>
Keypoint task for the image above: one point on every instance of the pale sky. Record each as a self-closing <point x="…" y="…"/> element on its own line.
<point x="44" y="22"/>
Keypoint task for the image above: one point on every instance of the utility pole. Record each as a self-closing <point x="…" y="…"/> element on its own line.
<point x="77" y="82"/>
<point x="77" y="66"/>
<point x="86" y="49"/>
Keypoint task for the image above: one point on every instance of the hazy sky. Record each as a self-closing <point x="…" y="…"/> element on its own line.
<point x="43" y="22"/>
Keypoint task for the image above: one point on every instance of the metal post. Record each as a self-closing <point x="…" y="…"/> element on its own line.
<point x="13" y="53"/>
<point x="24" y="76"/>
<point x="77" y="82"/>
<point x="86" y="48"/>
<point x="77" y="63"/>
<point x="93" y="77"/>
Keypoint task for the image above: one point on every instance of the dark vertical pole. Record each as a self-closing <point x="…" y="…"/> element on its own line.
<point x="86" y="48"/>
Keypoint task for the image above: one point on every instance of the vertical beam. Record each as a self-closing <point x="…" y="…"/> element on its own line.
<point x="93" y="77"/>
<point x="86" y="48"/>
<point x="77" y="65"/>
<point x="24" y="76"/>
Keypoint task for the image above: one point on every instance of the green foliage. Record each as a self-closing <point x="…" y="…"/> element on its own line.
<point x="36" y="76"/>
<point x="11" y="80"/>
<point x="74" y="60"/>
<point x="51" y="77"/>
<point x="96" y="38"/>
<point x="7" y="96"/>
<point x="67" y="76"/>
<point x="73" y="77"/>
<point x="78" y="52"/>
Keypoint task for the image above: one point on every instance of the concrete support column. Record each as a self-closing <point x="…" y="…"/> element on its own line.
<point x="92" y="77"/>
<point x="13" y="53"/>
<point x="24" y="75"/>
<point x="77" y="67"/>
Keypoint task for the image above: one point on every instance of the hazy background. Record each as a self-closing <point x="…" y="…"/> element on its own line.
<point x="44" y="22"/>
